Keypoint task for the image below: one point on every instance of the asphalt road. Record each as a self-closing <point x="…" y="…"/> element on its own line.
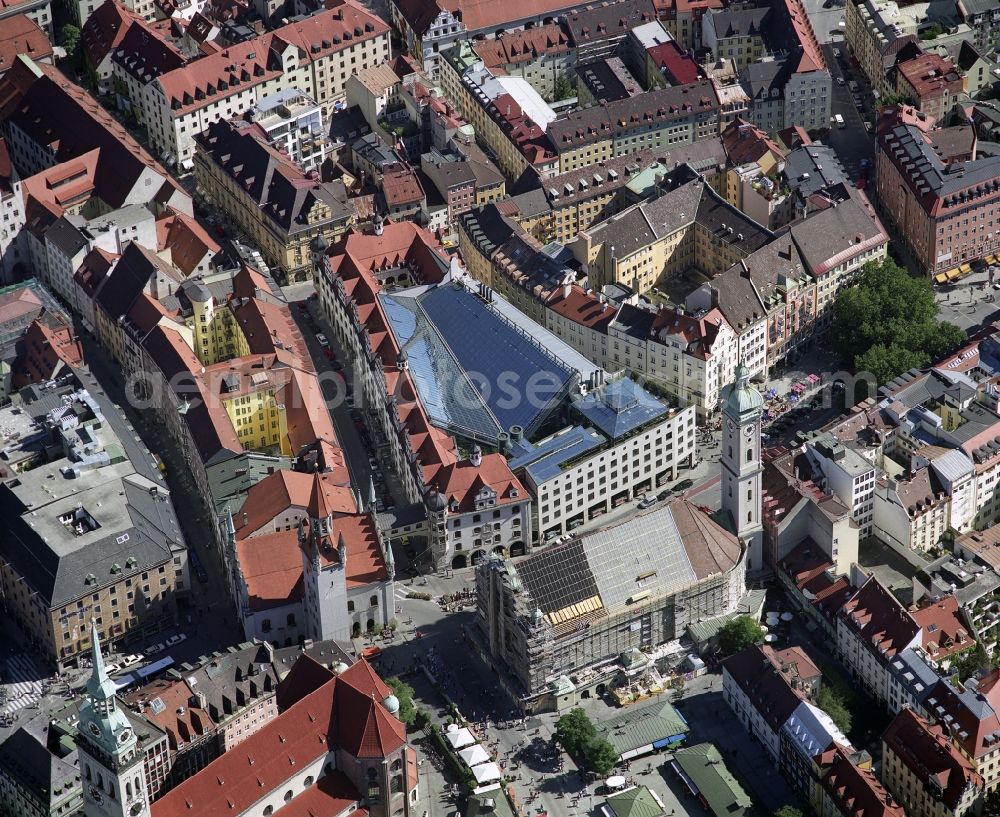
<point x="851" y="143"/>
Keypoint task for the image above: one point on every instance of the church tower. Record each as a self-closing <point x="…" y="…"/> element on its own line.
<point x="742" y="408"/>
<point x="111" y="765"/>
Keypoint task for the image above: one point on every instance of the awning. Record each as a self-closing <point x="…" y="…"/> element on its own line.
<point x="952" y="274"/>
<point x="965" y="268"/>
<point x="460" y="738"/>
<point x="991" y="259"/>
<point x="474" y="755"/>
<point x="940" y="278"/>
<point x="486" y="772"/>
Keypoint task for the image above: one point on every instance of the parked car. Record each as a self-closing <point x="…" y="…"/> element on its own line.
<point x="322" y="341"/>
<point x="176" y="639"/>
<point x="155" y="648"/>
<point x="648" y="501"/>
<point x="133" y="658"/>
<point x="840" y="80"/>
<point x="683" y="485"/>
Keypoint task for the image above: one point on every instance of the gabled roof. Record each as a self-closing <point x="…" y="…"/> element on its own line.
<point x="925" y="748"/>
<point x="757" y="671"/>
<point x="879" y="621"/>
<point x="346" y="713"/>
<point x="55" y="113"/>
<point x="855" y="792"/>
<point x="104" y="30"/>
<point x="20" y="34"/>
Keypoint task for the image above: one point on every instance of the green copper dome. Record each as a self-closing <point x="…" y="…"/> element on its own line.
<point x="743" y="398"/>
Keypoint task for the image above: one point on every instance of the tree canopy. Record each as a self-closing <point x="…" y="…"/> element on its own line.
<point x="574" y="732"/>
<point x="739" y="633"/>
<point x="577" y="735"/>
<point x="887" y="323"/>
<point x="829" y="701"/>
<point x="788" y="811"/>
<point x="404" y="694"/>
<point x="601" y="756"/>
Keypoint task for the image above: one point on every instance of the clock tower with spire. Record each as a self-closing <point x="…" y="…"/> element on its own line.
<point x="111" y="765"/>
<point x="742" y="408"/>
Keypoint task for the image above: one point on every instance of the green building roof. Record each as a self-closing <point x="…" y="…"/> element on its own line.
<point x="491" y="803"/>
<point x="642" y="725"/>
<point x="635" y="802"/>
<point x="705" y="768"/>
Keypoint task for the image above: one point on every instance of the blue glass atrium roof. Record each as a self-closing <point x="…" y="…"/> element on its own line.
<point x="619" y="408"/>
<point x="477" y="374"/>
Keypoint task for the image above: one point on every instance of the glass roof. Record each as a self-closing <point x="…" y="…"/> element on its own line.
<point x="476" y="373"/>
<point x="620" y="407"/>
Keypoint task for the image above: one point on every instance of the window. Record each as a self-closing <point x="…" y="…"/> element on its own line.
<point x="350" y="607"/>
<point x="288" y="795"/>
<point x="268" y="811"/>
<point x="373" y="601"/>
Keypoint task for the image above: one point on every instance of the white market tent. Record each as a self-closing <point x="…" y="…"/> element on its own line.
<point x="474" y="755"/>
<point x="486" y="772"/>
<point x="460" y="738"/>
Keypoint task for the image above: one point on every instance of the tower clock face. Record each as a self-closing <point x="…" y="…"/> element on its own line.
<point x="95" y="730"/>
<point x="135" y="809"/>
<point x="732" y="425"/>
<point x="750" y="429"/>
<point x="124" y="735"/>
<point x="95" y="795"/>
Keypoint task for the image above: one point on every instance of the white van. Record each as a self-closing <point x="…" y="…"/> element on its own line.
<point x="839" y="120"/>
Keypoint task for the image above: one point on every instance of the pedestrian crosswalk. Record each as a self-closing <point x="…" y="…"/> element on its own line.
<point x="21" y="684"/>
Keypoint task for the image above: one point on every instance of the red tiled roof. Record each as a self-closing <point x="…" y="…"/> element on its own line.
<point x="44" y="350"/>
<point x="271" y="566"/>
<point x="811" y="58"/>
<point x="330" y="796"/>
<point x="284" y="491"/>
<point x="19" y="304"/>
<point x="744" y="142"/>
<point x="679" y="65"/>
<point x="346" y="712"/>
<point x="56" y="113"/>
<point x="182" y="722"/>
<point x="400" y="186"/>
<point x="21" y="35"/>
<point x="930" y="74"/>
<point x="581" y="308"/>
<point x="698" y="334"/>
<point x="926" y="749"/>
<point x="244" y="65"/>
<point x="942" y="630"/>
<point x="104" y="30"/>
<point x="185" y="239"/>
<point x="878" y="619"/>
<point x="855" y="792"/>
<point x="758" y="673"/>
<point x="305" y="677"/>
<point x="516" y="47"/>
<point x="807" y="566"/>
